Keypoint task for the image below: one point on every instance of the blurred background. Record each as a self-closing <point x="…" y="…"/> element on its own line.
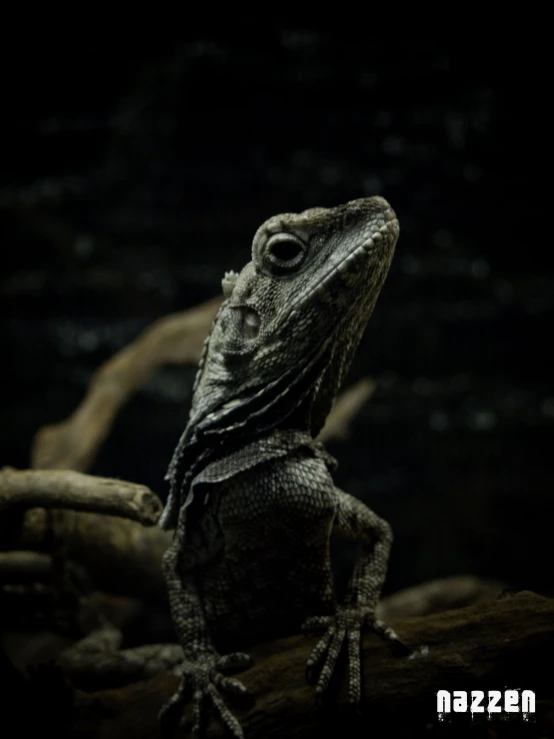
<point x="135" y="175"/>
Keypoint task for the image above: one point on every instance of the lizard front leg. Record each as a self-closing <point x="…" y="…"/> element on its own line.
<point x="203" y="668"/>
<point x="354" y="521"/>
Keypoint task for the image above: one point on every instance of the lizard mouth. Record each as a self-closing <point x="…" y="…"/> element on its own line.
<point x="382" y="237"/>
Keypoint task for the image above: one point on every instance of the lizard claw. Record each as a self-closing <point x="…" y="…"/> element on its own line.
<point x="344" y="631"/>
<point x="205" y="680"/>
<point x="232" y="686"/>
<point x="316" y="624"/>
<point x="389" y="635"/>
<point x="234" y="661"/>
<point x="171" y="712"/>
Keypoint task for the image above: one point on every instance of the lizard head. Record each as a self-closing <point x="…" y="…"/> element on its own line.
<point x="285" y="335"/>
<point x="298" y="308"/>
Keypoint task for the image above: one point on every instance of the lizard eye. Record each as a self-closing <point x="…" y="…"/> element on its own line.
<point x="284" y="253"/>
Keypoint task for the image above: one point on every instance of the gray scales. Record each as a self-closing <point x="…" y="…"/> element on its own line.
<point x="252" y="498"/>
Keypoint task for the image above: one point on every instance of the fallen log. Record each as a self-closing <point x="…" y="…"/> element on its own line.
<point x="489" y="645"/>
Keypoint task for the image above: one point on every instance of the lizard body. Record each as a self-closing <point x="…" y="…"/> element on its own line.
<point x="252" y="498"/>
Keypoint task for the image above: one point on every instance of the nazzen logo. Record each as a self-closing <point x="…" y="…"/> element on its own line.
<point x="493" y="701"/>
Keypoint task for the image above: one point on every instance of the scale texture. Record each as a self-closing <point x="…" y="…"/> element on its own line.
<point x="252" y="499"/>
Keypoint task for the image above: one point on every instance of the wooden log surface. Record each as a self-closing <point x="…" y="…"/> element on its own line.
<point x="508" y="642"/>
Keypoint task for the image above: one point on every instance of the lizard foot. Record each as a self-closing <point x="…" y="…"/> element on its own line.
<point x="204" y="679"/>
<point x="340" y="630"/>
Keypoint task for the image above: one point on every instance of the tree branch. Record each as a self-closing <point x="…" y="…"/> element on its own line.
<point x="120" y="556"/>
<point x="174" y="339"/>
<point x="346" y="406"/>
<point x="78" y="492"/>
<point x="19" y="567"/>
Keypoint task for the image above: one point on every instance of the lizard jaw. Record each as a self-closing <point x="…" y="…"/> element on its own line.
<point x="388" y="231"/>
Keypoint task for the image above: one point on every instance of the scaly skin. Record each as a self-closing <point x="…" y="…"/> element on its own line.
<point x="252" y="499"/>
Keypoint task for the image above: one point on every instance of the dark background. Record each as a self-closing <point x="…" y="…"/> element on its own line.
<point x="135" y="174"/>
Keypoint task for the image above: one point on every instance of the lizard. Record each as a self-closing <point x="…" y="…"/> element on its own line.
<point x="252" y="500"/>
